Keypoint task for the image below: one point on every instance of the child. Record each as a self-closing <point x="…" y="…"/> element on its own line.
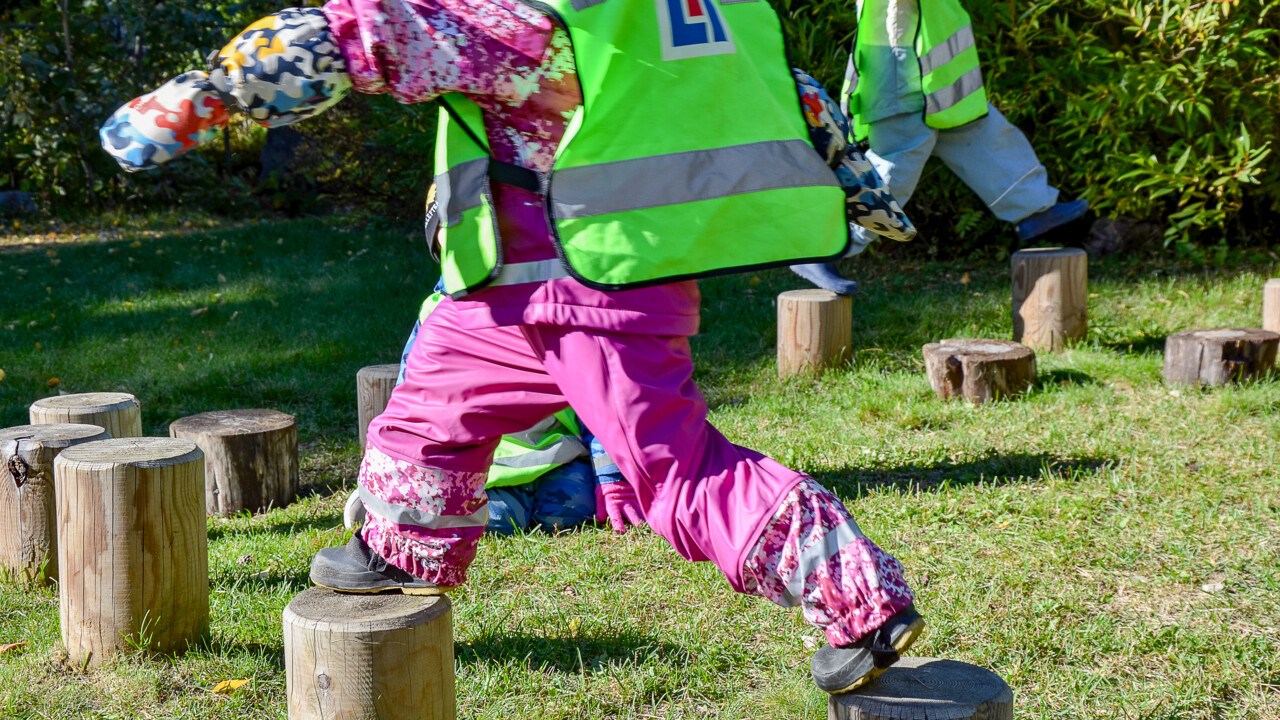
<point x="594" y="156"/>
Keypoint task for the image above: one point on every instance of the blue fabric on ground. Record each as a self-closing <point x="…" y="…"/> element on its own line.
<point x="564" y="497"/>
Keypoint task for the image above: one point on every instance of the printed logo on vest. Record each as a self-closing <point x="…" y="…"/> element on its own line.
<point x="692" y="28"/>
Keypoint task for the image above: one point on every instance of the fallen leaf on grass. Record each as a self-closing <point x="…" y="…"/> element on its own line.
<point x="226" y="687"/>
<point x="12" y="646"/>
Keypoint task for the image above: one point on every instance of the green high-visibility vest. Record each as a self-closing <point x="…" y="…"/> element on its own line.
<point x="950" y="77"/>
<point x="526" y="456"/>
<point x="688" y="157"/>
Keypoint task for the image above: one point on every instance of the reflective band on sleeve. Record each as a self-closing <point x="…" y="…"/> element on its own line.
<point x="460" y="189"/>
<point x="562" y="452"/>
<point x="537" y="271"/>
<point x="817" y="554"/>
<point x="402" y="515"/>
<point x="943" y="98"/>
<point x="945" y="51"/>
<point x="603" y="462"/>
<point x="649" y="182"/>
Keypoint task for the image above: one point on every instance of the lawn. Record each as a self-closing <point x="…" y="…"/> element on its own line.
<point x="1110" y="546"/>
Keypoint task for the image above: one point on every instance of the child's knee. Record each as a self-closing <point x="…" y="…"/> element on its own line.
<point x="565" y="497"/>
<point x="509" y="510"/>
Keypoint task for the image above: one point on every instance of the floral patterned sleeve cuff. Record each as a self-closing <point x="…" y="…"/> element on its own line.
<point x="281" y="69"/>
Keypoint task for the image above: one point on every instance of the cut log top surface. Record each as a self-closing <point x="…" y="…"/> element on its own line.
<point x="88" y="402"/>
<point x="809" y="295"/>
<point x="996" y="349"/>
<point x="1053" y="252"/>
<point x="929" y="688"/>
<point x="234" y="422"/>
<point x="138" y="452"/>
<point x="323" y="608"/>
<point x="59" y="435"/>
<point x="1224" y="335"/>
<point x="388" y="370"/>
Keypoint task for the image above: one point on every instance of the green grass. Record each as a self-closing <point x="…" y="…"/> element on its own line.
<point x="1109" y="546"/>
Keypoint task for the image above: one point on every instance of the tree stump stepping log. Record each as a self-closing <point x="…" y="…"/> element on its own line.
<point x="28" y="517"/>
<point x="116" y="412"/>
<point x="373" y="389"/>
<point x="979" y="370"/>
<point x="1218" y="357"/>
<point x="250" y="458"/>
<point x="815" y="331"/>
<point x="373" y="657"/>
<point x="927" y="689"/>
<point x="1050" y="297"/>
<point x="1271" y="305"/>
<point x="132" y="547"/>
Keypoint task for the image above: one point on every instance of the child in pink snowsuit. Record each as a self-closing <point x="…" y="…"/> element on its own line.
<point x="535" y="340"/>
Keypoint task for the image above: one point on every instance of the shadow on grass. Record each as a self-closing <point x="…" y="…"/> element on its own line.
<point x="993" y="470"/>
<point x="327" y="521"/>
<point x="569" y="655"/>
<point x="1063" y="378"/>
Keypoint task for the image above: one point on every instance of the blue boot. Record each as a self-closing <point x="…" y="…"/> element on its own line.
<point x="825" y="276"/>
<point x="509" y="510"/>
<point x="1055" y="217"/>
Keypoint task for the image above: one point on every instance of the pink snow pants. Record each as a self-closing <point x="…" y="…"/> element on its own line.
<point x="772" y="531"/>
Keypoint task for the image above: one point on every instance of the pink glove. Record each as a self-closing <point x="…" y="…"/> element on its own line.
<point x="617" y="503"/>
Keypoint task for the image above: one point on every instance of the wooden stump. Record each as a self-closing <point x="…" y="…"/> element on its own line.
<point x="372" y="657"/>
<point x="1050" y="297"/>
<point x="117" y="413"/>
<point x="1217" y="357"/>
<point x="927" y="689"/>
<point x="979" y="370"/>
<point x="132" y="550"/>
<point x="1271" y="305"/>
<point x="28" y="519"/>
<point x="815" y="330"/>
<point x="373" y="389"/>
<point x="250" y="458"/>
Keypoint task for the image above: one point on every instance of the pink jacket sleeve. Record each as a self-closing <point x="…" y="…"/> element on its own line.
<point x="417" y="50"/>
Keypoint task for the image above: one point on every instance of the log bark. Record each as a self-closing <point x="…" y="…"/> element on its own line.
<point x="1218" y="357"/>
<point x="132" y="549"/>
<point x="250" y="458"/>
<point x="372" y="657"/>
<point x="927" y="689"/>
<point x="815" y="331"/>
<point x="373" y="389"/>
<point x="117" y="413"/>
<point x="28" y="518"/>
<point x="979" y="370"/>
<point x="1050" y="297"/>
<point x="1271" y="305"/>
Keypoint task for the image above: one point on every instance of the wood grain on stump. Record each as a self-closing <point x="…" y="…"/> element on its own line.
<point x="815" y="330"/>
<point x="374" y="657"/>
<point x="117" y="413"/>
<point x="927" y="689"/>
<point x="1218" y="357"/>
<point x="28" y="513"/>
<point x="1050" y="297"/>
<point x="1271" y="305"/>
<point x="132" y="548"/>
<point x="979" y="370"/>
<point x="250" y="458"/>
<point x="373" y="389"/>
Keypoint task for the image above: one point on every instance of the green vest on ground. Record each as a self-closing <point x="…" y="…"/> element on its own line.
<point x="524" y="457"/>
<point x="950" y="77"/>
<point x="689" y="156"/>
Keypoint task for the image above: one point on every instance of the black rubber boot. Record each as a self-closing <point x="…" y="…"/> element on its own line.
<point x="354" y="568"/>
<point x="841" y="670"/>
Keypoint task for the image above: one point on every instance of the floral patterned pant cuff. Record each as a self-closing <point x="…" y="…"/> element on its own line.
<point x="425" y="521"/>
<point x="813" y="554"/>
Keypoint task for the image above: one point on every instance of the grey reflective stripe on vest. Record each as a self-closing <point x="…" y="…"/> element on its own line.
<point x="816" y="555"/>
<point x="650" y="182"/>
<point x="460" y="189"/>
<point x="562" y="452"/>
<point x="534" y="435"/>
<point x="402" y="515"/>
<point x="537" y="271"/>
<point x="943" y="98"/>
<point x="946" y="51"/>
